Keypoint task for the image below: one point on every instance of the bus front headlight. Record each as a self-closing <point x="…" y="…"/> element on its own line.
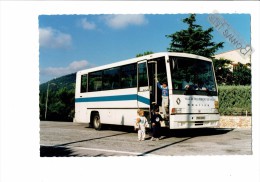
<point x="216" y="104"/>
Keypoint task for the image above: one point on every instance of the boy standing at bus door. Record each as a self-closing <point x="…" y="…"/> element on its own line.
<point x="165" y="96"/>
<point x="141" y="122"/>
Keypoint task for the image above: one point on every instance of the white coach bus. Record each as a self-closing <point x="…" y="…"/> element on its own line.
<point x="112" y="94"/>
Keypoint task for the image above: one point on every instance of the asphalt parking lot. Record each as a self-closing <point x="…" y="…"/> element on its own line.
<point x="66" y="139"/>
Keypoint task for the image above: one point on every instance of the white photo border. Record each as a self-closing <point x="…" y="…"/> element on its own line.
<point x="20" y="160"/>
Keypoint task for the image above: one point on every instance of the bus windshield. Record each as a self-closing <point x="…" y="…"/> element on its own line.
<point x="192" y="76"/>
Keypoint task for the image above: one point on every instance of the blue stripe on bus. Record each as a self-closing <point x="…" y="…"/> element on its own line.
<point x="114" y="98"/>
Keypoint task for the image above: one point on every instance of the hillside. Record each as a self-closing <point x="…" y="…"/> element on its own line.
<point x="61" y="99"/>
<point x="67" y="81"/>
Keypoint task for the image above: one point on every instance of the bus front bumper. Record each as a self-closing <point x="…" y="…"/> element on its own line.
<point x="179" y="121"/>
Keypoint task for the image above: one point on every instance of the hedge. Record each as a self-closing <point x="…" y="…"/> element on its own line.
<point x="234" y="100"/>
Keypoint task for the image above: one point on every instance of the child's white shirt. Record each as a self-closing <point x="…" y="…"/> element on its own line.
<point x="143" y="122"/>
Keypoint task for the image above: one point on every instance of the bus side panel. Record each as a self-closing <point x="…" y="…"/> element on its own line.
<point x="125" y="117"/>
<point x="80" y="107"/>
<point x="81" y="113"/>
<point x="114" y="106"/>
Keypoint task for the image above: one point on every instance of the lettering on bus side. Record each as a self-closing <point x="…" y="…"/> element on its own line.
<point x="199" y="99"/>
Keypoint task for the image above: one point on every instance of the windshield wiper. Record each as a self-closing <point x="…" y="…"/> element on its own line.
<point x="190" y="92"/>
<point x="208" y="92"/>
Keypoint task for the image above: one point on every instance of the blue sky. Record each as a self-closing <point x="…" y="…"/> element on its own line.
<point x="69" y="43"/>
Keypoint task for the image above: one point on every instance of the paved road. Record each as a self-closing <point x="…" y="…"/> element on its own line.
<point x="73" y="139"/>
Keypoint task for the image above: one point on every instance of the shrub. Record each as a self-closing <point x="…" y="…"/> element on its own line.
<point x="234" y="100"/>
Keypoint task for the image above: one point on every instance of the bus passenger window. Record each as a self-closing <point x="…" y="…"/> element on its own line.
<point x="95" y="81"/>
<point x="83" y="85"/>
<point x="111" y="79"/>
<point x="142" y="75"/>
<point x="128" y="76"/>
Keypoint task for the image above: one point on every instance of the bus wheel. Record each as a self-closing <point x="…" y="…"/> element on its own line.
<point x="96" y="122"/>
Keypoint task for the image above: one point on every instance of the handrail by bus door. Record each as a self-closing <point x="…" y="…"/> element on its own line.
<point x="155" y="62"/>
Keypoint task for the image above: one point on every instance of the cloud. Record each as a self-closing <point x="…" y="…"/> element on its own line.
<point x="51" y="38"/>
<point x="71" y="68"/>
<point x="87" y="25"/>
<point x="122" y="21"/>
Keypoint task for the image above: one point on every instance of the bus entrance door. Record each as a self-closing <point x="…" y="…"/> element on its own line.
<point x="143" y="91"/>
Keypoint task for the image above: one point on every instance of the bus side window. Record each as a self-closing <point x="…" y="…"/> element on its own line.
<point x="95" y="81"/>
<point x="83" y="85"/>
<point x="111" y="79"/>
<point x="142" y="75"/>
<point x="128" y="76"/>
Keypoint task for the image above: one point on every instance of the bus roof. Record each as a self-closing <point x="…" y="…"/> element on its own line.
<point x="146" y="57"/>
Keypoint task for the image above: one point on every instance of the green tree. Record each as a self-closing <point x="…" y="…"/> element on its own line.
<point x="194" y="40"/>
<point x="61" y="98"/>
<point x="223" y="71"/>
<point x="144" y="54"/>
<point x="242" y="74"/>
<point x="60" y="105"/>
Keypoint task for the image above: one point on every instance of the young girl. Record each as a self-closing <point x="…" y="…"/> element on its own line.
<point x="141" y="122"/>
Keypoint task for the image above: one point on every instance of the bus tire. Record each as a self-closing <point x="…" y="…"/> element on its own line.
<point x="96" y="122"/>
